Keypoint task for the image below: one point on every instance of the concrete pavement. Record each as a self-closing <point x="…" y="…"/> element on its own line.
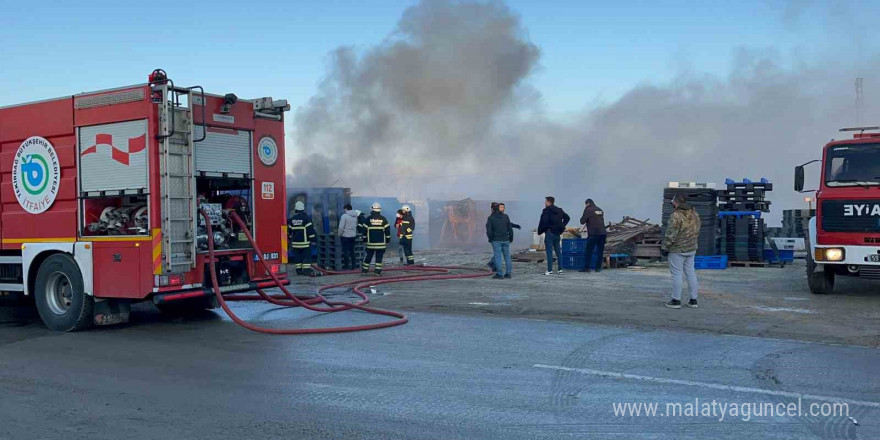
<point x="438" y="377"/>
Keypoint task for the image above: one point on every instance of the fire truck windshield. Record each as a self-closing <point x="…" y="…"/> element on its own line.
<point x="853" y="165"/>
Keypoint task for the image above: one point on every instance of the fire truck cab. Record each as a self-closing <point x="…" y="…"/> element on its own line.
<point x="101" y="194"/>
<point x="844" y="236"/>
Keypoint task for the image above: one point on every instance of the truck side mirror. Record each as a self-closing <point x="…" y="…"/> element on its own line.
<point x="799" y="178"/>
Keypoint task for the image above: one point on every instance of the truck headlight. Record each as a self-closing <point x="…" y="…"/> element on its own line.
<point x="829" y="254"/>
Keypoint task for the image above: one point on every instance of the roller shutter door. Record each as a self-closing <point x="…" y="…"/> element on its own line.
<point x="113" y="156"/>
<point x="223" y="151"/>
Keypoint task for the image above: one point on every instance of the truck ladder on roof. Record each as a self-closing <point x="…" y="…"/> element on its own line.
<point x="178" y="185"/>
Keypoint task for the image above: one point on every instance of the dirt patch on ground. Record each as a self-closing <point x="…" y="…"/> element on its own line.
<point x="763" y="302"/>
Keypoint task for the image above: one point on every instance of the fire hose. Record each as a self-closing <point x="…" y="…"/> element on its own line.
<point x="312" y="303"/>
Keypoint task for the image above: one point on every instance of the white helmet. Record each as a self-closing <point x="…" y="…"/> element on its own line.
<point x="376" y="207"/>
<point x="406" y="208"/>
<point x="299" y="206"/>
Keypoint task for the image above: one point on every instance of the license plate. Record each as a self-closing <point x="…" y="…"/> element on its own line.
<point x="875" y="258"/>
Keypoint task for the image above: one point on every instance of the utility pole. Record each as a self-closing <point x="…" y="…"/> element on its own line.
<point x="859" y="101"/>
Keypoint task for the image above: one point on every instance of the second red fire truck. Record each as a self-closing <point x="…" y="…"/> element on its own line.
<point x="844" y="236"/>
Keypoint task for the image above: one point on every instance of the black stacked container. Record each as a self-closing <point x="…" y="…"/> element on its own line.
<point x="745" y="196"/>
<point x="795" y="222"/>
<point x="704" y="201"/>
<point x="740" y="226"/>
<point x="330" y="252"/>
<point x="741" y="237"/>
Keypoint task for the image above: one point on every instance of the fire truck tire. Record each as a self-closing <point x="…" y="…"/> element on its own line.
<point x="821" y="283"/>
<point x="61" y="299"/>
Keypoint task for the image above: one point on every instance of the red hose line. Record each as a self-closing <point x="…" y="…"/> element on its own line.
<point x="291" y="300"/>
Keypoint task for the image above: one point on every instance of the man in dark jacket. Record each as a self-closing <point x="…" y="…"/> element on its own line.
<point x="499" y="230"/>
<point x="377" y="235"/>
<point x="594" y="221"/>
<point x="552" y="225"/>
<point x="300" y="234"/>
<point x="491" y="263"/>
<point x="407" y="226"/>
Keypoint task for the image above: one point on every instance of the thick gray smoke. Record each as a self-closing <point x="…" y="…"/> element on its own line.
<point x="443" y="109"/>
<point x="423" y="103"/>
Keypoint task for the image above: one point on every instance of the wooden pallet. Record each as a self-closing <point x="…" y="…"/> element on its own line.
<point x="747" y="264"/>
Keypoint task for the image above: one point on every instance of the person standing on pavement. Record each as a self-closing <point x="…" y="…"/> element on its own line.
<point x="501" y="207"/>
<point x="407" y="226"/>
<point x="398" y="222"/>
<point x="593" y="220"/>
<point x="347" y="233"/>
<point x="499" y="231"/>
<point x="552" y="225"/>
<point x="680" y="245"/>
<point x="377" y="231"/>
<point x="301" y="233"/>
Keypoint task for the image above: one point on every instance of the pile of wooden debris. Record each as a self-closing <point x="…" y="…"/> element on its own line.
<point x="637" y="238"/>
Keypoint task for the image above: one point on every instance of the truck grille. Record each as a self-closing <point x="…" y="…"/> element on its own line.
<point x="851" y="215"/>
<point x="869" y="272"/>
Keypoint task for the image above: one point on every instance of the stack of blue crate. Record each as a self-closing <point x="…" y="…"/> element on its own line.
<point x="574" y="254"/>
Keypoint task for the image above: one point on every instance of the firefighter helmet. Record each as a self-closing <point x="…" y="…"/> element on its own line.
<point x="299" y="206"/>
<point x="376" y="207"/>
<point x="406" y="208"/>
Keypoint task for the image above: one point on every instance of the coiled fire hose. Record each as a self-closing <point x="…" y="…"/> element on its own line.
<point x="310" y="302"/>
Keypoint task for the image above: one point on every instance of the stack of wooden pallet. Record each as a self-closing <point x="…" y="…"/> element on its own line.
<point x="635" y="237"/>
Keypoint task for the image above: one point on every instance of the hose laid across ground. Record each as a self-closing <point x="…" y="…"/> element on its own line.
<point x="310" y="303"/>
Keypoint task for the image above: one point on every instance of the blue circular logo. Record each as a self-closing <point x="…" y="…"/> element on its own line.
<point x="268" y="151"/>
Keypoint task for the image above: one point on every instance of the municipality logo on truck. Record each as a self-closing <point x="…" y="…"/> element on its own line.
<point x="35" y="175"/>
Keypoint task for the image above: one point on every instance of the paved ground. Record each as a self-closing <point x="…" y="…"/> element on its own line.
<point x="768" y="302"/>
<point x="529" y="358"/>
<point x="438" y="377"/>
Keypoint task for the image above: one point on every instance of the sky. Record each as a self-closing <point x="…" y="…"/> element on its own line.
<point x="614" y="80"/>
<point x="591" y="52"/>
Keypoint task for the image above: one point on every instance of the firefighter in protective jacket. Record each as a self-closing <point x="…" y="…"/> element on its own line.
<point x="407" y="226"/>
<point x="301" y="233"/>
<point x="377" y="233"/>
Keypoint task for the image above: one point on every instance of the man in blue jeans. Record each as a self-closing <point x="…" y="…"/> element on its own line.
<point x="499" y="231"/>
<point x="594" y="222"/>
<point x="552" y="225"/>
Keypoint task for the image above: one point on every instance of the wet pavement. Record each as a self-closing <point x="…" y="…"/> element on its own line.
<point x="438" y="377"/>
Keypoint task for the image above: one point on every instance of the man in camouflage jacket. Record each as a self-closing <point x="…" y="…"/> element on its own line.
<point x="680" y="243"/>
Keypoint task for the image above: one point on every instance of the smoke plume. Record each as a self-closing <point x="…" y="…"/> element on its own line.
<point x="443" y="108"/>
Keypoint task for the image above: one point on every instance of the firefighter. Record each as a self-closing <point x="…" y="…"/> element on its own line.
<point x="407" y="226"/>
<point x="300" y="233"/>
<point x="377" y="232"/>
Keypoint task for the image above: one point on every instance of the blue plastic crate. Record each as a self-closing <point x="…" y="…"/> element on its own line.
<point x="786" y="255"/>
<point x="746" y="181"/>
<point x="739" y="214"/>
<point x="574" y="246"/>
<point x="710" y="262"/>
<point x="575" y="261"/>
<point x="571" y="262"/>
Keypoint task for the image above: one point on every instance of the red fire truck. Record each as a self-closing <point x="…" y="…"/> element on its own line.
<point x="844" y="236"/>
<point x="100" y="193"/>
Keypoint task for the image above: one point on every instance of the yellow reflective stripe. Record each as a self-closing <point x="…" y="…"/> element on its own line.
<point x="116" y="238"/>
<point x="284" y="244"/>
<point x="39" y="240"/>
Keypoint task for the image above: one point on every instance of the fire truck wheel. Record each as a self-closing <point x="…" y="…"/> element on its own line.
<point x="821" y="283"/>
<point x="60" y="297"/>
